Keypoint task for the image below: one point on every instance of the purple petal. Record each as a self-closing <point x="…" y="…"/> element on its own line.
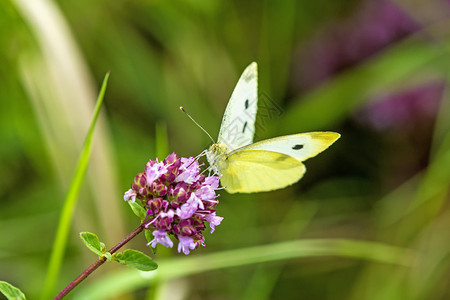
<point x="169" y="214"/>
<point x="154" y="172"/>
<point x="189" y="208"/>
<point x="186" y="243"/>
<point x="213" y="220"/>
<point x="206" y="192"/>
<point x="161" y="238"/>
<point x="212" y="181"/>
<point x="189" y="171"/>
<point x="130" y="194"/>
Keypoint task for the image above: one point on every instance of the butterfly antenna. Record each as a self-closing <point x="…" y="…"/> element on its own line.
<point x="183" y="110"/>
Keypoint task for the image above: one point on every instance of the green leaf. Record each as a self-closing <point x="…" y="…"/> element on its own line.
<point x="92" y="242"/>
<point x="11" y="292"/>
<point x="138" y="210"/>
<point x="135" y="259"/>
<point x="107" y="255"/>
<point x="103" y="247"/>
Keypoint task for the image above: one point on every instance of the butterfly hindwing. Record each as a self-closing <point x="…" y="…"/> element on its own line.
<point x="238" y="123"/>
<point x="251" y="171"/>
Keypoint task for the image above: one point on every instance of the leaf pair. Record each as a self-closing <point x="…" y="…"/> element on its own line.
<point x="131" y="258"/>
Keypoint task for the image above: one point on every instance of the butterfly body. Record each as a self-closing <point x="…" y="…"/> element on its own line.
<point x="217" y="157"/>
<point x="271" y="164"/>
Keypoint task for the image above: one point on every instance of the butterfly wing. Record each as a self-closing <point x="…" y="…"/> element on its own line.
<point x="252" y="171"/>
<point x="272" y="164"/>
<point x="300" y="146"/>
<point x="238" y="123"/>
<point x="263" y="166"/>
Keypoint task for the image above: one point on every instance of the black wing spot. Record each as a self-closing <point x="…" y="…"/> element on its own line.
<point x="245" y="126"/>
<point x="282" y="158"/>
<point x="246" y="104"/>
<point x="297" y="147"/>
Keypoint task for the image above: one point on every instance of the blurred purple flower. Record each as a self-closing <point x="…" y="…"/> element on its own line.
<point x="404" y="109"/>
<point x="375" y="25"/>
<point x="178" y="200"/>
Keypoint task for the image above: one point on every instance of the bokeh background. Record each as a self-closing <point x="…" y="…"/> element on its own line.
<point x="375" y="71"/>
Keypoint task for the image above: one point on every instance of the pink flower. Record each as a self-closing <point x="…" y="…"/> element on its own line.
<point x="186" y="243"/>
<point x="178" y="200"/>
<point x="213" y="221"/>
<point x="161" y="238"/>
<point x="130" y="195"/>
<point x="212" y="181"/>
<point x="154" y="171"/>
<point x="189" y="170"/>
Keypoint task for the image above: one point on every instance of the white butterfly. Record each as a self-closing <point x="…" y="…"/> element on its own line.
<point x="267" y="165"/>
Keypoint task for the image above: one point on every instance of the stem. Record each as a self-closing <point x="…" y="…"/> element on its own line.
<point x="98" y="263"/>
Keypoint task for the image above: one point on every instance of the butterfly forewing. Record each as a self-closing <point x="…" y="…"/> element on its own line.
<point x="300" y="146"/>
<point x="238" y="123"/>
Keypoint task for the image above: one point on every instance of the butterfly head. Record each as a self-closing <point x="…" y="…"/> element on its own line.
<point x="217" y="156"/>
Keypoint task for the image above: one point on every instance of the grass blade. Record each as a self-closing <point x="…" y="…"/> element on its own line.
<point x="65" y="220"/>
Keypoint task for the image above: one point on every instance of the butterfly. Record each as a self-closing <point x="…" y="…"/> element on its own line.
<point x="247" y="167"/>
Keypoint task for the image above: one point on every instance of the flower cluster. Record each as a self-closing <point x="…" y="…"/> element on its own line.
<point x="178" y="200"/>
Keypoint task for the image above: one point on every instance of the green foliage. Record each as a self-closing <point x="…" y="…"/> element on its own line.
<point x="115" y="283"/>
<point x="93" y="243"/>
<point x="386" y="184"/>
<point x="138" y="209"/>
<point x="11" y="292"/>
<point x="135" y="259"/>
<point x="71" y="200"/>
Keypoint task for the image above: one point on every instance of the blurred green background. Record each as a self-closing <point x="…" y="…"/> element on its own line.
<point x="374" y="71"/>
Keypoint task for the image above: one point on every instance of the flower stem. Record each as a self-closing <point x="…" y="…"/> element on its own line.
<point x="98" y="263"/>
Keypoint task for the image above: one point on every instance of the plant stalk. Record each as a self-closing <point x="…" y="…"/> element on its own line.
<point x="98" y="263"/>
